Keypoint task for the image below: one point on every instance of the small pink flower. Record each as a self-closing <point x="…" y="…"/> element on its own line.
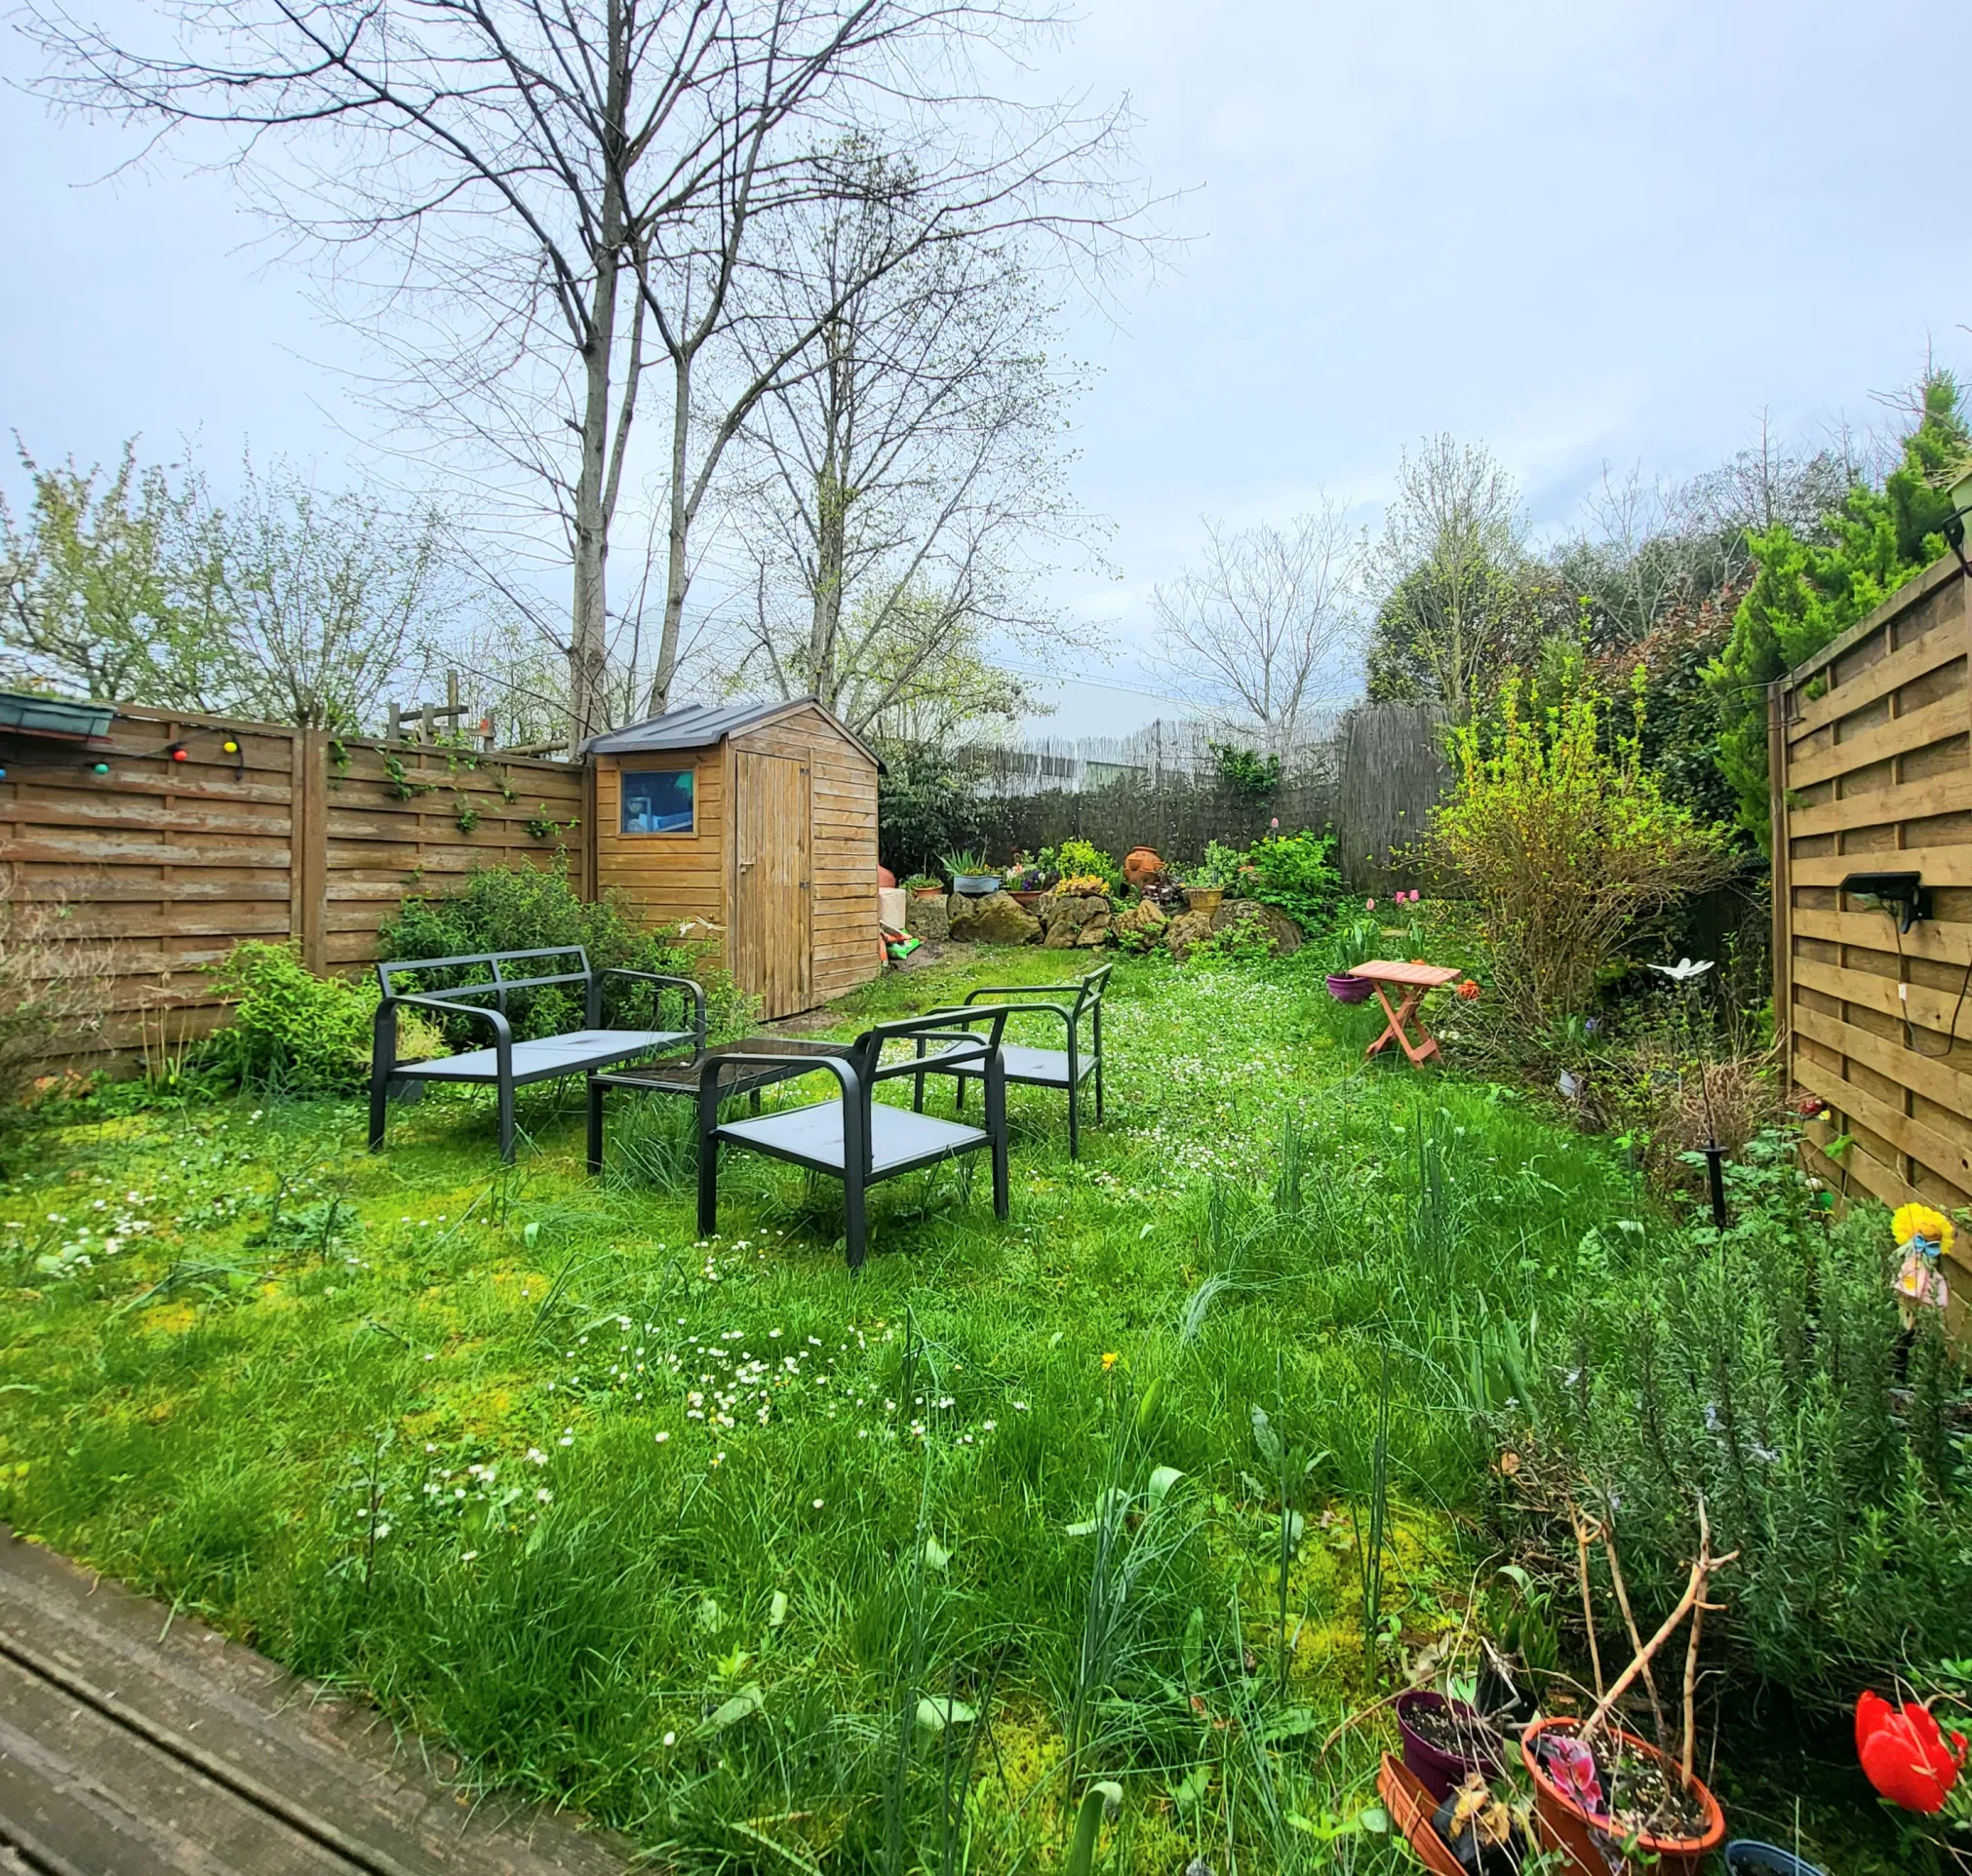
<point x="1275" y="822"/>
<point x="1369" y="905"/>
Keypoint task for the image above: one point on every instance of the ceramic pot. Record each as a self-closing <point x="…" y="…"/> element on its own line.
<point x="1351" y="990"/>
<point x="1563" y="1825"/>
<point x="1028" y="899"/>
<point x="1441" y="1773"/>
<point x="927" y="893"/>
<point x="1203" y="898"/>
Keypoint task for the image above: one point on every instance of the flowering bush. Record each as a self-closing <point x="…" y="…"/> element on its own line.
<point x="1565" y="841"/>
<point x="1084" y="860"/>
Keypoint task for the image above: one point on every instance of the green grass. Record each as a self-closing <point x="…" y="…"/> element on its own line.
<point x="708" y="1539"/>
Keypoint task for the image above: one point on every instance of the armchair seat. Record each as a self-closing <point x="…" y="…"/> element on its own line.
<point x="1034" y="1068"/>
<point x="901" y="1141"/>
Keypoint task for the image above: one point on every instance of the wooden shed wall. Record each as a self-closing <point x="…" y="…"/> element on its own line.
<point x="1871" y="757"/>
<point x="160" y="868"/>
<point x="670" y="879"/>
<point x="843" y="784"/>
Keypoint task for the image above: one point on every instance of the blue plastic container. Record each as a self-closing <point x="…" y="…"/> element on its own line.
<point x="1745" y="1857"/>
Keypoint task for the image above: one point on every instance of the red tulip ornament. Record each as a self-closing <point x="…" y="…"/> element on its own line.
<point x="1905" y="1754"/>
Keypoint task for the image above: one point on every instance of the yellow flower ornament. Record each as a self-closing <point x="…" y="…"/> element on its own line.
<point x="1924" y="1236"/>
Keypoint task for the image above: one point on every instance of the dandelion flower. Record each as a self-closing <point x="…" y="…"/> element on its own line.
<point x="1109" y="1361"/>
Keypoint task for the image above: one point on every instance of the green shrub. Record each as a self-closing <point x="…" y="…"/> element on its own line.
<point x="291" y="1031"/>
<point x="1222" y="867"/>
<point x="1765" y="1370"/>
<point x="1244" y="773"/>
<point x="533" y="909"/>
<point x="1294" y="873"/>
<point x="1565" y="841"/>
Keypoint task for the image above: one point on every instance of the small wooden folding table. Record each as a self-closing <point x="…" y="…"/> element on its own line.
<point x="1413" y="980"/>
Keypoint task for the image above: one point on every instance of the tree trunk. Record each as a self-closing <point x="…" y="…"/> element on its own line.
<point x="589" y="623"/>
<point x="677" y="574"/>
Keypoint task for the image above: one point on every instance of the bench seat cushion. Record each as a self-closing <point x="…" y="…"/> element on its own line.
<point x="546" y="1057"/>
<point x="1032" y="1068"/>
<point x="814" y="1136"/>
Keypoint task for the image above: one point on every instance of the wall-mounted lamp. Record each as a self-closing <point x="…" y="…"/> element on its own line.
<point x="1901" y="894"/>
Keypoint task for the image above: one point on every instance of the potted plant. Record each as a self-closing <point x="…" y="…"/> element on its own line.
<point x="1205" y="884"/>
<point x="1446" y="1741"/>
<point x="1025" y="880"/>
<point x="925" y="885"/>
<point x="1605" y="1799"/>
<point x="969" y="874"/>
<point x="1346" y="947"/>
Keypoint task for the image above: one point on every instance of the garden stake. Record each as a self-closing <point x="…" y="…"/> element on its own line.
<point x="1628" y="1621"/>
<point x="1698" y="1609"/>
<point x="1582" y="1535"/>
<point x="1715" y="1153"/>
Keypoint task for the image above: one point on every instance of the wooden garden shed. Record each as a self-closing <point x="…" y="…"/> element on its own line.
<point x="756" y="822"/>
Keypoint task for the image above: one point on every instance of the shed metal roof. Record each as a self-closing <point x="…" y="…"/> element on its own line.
<point x="32" y="713"/>
<point x="697" y="726"/>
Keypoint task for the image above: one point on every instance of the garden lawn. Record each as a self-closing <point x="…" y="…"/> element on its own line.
<point x="728" y="1548"/>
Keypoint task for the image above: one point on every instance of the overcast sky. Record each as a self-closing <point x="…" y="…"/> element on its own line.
<point x="1578" y="233"/>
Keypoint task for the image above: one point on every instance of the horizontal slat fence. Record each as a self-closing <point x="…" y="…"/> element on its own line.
<point x="1871" y="746"/>
<point x="157" y="868"/>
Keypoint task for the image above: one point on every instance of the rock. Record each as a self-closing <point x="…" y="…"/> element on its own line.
<point x="927" y="919"/>
<point x="1140" y="926"/>
<point x="994" y="918"/>
<point x="1186" y="931"/>
<point x="1284" y="935"/>
<point x="1094" y="935"/>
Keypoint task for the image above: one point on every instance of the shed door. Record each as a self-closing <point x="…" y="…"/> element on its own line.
<point x="770" y="921"/>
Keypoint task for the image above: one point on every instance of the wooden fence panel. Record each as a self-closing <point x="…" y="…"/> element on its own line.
<point x="1871" y="751"/>
<point x="399" y="819"/>
<point x="157" y="868"/>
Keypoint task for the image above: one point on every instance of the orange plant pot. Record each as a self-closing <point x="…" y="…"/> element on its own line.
<point x="1562" y="1825"/>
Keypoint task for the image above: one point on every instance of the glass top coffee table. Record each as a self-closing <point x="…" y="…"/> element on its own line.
<point x="680" y="1075"/>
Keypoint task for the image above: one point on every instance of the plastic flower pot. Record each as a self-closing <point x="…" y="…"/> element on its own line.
<point x="1745" y="1857"/>
<point x="1203" y="898"/>
<point x="1441" y="1773"/>
<point x="1346" y="989"/>
<point x="927" y="893"/>
<point x="1587" y="1849"/>
<point x="976" y="886"/>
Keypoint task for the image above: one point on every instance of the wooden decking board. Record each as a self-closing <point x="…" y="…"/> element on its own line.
<point x="132" y="1742"/>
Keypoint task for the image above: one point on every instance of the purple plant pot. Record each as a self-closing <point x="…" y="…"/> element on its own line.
<point x="1439" y="1773"/>
<point x="1350" y="989"/>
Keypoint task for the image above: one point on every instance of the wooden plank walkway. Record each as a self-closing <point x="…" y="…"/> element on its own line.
<point x="132" y="1744"/>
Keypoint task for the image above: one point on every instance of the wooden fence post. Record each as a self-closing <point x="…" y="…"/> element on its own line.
<point x="311" y="849"/>
<point x="1780" y="841"/>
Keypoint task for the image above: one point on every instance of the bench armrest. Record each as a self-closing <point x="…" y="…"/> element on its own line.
<point x="383" y="1033"/>
<point x="696" y="990"/>
<point x="1022" y="990"/>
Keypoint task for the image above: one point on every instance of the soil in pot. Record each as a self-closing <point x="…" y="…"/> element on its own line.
<point x="1445" y="1740"/>
<point x="1643" y="1798"/>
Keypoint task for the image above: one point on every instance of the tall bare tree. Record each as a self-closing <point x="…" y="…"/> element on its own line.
<point x="899" y="489"/>
<point x="1266" y="619"/>
<point x="1449" y="574"/>
<point x="518" y="194"/>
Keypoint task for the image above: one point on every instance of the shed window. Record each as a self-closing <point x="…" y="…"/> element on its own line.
<point x="657" y="800"/>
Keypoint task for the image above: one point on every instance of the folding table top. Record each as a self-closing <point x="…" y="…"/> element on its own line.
<point x="1385" y="970"/>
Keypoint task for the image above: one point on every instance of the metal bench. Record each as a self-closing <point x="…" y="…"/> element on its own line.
<point x="853" y="1137"/>
<point x="507" y="1065"/>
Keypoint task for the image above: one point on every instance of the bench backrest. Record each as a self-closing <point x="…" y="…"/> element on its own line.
<point x="497" y="963"/>
<point x="947" y="1026"/>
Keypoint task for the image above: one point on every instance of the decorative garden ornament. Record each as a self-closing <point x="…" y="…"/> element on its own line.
<point x="1923" y="1235"/>
<point x="1903" y="1753"/>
